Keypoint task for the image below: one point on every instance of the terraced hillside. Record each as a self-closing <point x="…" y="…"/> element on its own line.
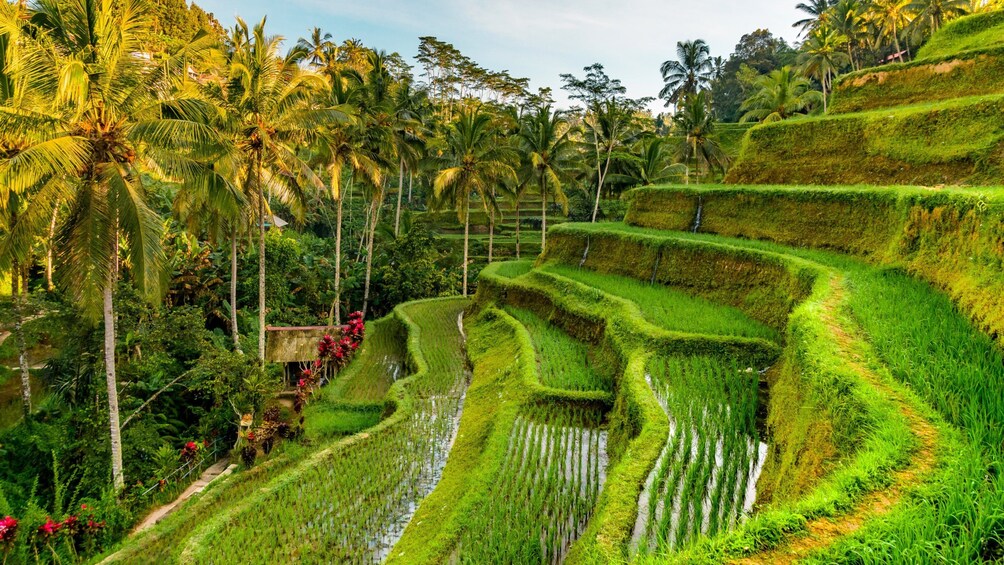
<point x="644" y="393"/>
<point x="741" y="373"/>
<point x="935" y="120"/>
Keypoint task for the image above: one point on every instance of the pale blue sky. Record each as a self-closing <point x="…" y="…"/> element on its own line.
<point x="539" y="39"/>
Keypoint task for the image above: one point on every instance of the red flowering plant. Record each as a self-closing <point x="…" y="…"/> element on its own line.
<point x="49" y="529"/>
<point x="190" y="452"/>
<point x="330" y="353"/>
<point x="8" y="530"/>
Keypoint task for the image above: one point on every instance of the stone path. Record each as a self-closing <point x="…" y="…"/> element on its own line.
<point x="219" y="469"/>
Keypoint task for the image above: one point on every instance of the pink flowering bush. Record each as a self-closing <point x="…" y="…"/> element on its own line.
<point x="8" y="531"/>
<point x="333" y="353"/>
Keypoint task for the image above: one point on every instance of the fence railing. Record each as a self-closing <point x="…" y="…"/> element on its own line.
<point x="179" y="475"/>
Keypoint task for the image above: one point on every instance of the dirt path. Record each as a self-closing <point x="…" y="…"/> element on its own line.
<point x="221" y="468"/>
<point x="823" y="532"/>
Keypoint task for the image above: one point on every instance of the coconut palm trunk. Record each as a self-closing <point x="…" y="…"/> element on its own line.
<point x="411" y="182"/>
<point x="338" y="262"/>
<point x="261" y="260"/>
<point x="374" y="211"/>
<point x="400" y="194"/>
<point x="233" y="292"/>
<point x="517" y="227"/>
<point x="19" y="335"/>
<point x="108" y="313"/>
<point x="467" y="233"/>
<point x="50" y="248"/>
<point x="543" y="214"/>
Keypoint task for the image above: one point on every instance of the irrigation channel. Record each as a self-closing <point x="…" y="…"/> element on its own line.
<point x="704" y="481"/>
<point x="353" y="506"/>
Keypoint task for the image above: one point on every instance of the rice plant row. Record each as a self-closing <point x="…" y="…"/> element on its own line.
<point x="354" y="505"/>
<point x="562" y="361"/>
<point x="545" y="493"/>
<point x="704" y="481"/>
<point x="668" y="307"/>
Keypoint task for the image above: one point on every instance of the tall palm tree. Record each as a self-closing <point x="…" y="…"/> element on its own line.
<point x="930" y="15"/>
<point x="378" y="112"/>
<point x="822" y="57"/>
<point x="545" y="141"/>
<point x="409" y="109"/>
<point x="108" y="122"/>
<point x="342" y="150"/>
<point x="694" y="127"/>
<point x="651" y="163"/>
<point x="778" y="96"/>
<point x="689" y="74"/>
<point x="475" y="162"/>
<point x="848" y="18"/>
<point x="317" y="48"/>
<point x="816" y="11"/>
<point x="268" y="107"/>
<point x="607" y="128"/>
<point x="890" y="18"/>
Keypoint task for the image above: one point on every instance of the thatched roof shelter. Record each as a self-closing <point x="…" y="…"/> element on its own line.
<point x="295" y="344"/>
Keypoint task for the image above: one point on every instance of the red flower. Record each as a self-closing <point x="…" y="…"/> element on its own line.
<point x="71" y="524"/>
<point x="192" y="446"/>
<point x="83" y="507"/>
<point x="93" y="527"/>
<point x="49" y="528"/>
<point x="250" y="436"/>
<point x="8" y="529"/>
<point x="306" y="373"/>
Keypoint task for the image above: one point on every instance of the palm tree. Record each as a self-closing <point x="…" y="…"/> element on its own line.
<point x="890" y="18"/>
<point x="817" y="12"/>
<point x="544" y="140"/>
<point x="342" y="150"/>
<point x="475" y="162"/>
<point x="378" y="111"/>
<point x="779" y="95"/>
<point x="607" y="128"/>
<point x="409" y="109"/>
<point x="930" y="15"/>
<point x="691" y="73"/>
<point x="103" y="130"/>
<point x="694" y="126"/>
<point x="822" y="57"/>
<point x="849" y="20"/>
<point x="269" y="111"/>
<point x="651" y="164"/>
<point x="318" y="48"/>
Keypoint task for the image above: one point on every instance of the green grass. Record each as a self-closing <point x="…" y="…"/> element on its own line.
<point x="918" y="338"/>
<point x="705" y="480"/>
<point x="552" y="474"/>
<point x="354" y="502"/>
<point x="979" y="72"/>
<point x="270" y="494"/>
<point x="948" y="142"/>
<point x="670" y="308"/>
<point x="979" y="31"/>
<point x="949" y="237"/>
<point x="379" y="363"/>
<point x="562" y="361"/>
<point x="819" y="404"/>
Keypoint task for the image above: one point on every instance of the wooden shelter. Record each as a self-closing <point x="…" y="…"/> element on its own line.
<point x="295" y="347"/>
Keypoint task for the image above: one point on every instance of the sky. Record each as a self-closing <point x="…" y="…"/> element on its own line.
<point x="537" y="39"/>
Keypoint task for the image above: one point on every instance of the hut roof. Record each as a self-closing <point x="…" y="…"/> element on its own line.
<point x="295" y="344"/>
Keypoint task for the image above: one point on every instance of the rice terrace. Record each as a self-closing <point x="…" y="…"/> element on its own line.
<point x="466" y="283"/>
